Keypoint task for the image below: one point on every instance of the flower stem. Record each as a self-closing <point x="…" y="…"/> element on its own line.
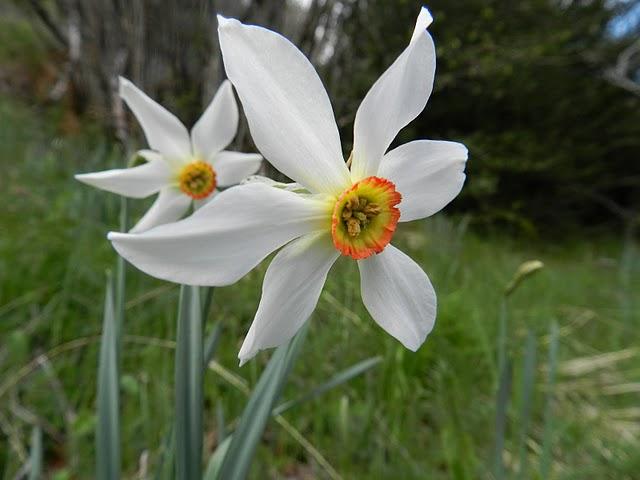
<point x="188" y="385"/>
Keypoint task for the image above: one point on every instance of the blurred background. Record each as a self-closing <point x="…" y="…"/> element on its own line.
<point x="546" y="96"/>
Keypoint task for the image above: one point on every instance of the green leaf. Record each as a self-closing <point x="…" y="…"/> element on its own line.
<point x="35" y="458"/>
<point x="188" y="385"/>
<point x="166" y="464"/>
<point x="108" y="427"/>
<point x="502" y="403"/>
<point x="212" y="344"/>
<point x="528" y="379"/>
<point x="121" y="276"/>
<point x="206" y="294"/>
<point x="547" y="439"/>
<point x="335" y="381"/>
<point x="245" y="438"/>
<point x="215" y="462"/>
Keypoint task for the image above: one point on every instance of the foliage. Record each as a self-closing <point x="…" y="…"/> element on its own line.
<point x="432" y="411"/>
<point x="520" y="83"/>
<point x="523" y="84"/>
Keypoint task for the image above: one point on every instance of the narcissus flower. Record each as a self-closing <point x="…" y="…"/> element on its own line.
<point x="182" y="168"/>
<point x="347" y="211"/>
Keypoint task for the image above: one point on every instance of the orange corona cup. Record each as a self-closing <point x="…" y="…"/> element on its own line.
<point x="365" y="217"/>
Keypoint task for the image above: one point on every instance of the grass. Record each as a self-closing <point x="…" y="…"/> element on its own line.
<point x="428" y="414"/>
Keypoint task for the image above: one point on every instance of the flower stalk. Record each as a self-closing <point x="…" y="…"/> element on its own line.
<point x="188" y="385"/>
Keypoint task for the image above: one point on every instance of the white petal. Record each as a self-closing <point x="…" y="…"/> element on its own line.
<point x="286" y="105"/>
<point x="398" y="295"/>
<point x="396" y="98"/>
<point x="290" y="292"/>
<point x="233" y="167"/>
<point x="136" y="182"/>
<point x="422" y="23"/>
<point x="164" y="132"/>
<point x="171" y="205"/>
<point x="428" y="174"/>
<point x="292" y="187"/>
<point x="226" y="238"/>
<point x="217" y="125"/>
<point x="199" y="203"/>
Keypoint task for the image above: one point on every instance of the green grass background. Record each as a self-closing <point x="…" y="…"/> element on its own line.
<point x="419" y="415"/>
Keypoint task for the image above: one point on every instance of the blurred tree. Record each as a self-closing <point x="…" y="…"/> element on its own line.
<point x="533" y="88"/>
<point x="522" y="84"/>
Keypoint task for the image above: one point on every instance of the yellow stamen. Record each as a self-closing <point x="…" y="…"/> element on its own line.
<point x="197" y="179"/>
<point x="365" y="217"/>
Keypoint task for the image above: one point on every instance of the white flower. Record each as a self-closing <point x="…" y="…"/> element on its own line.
<point x="183" y="168"/>
<point x="350" y="212"/>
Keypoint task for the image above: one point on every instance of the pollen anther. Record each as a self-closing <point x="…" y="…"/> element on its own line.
<point x="197" y="179"/>
<point x="365" y="217"/>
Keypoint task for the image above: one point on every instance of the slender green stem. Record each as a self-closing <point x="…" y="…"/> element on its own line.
<point x="502" y="336"/>
<point x="35" y="458"/>
<point x="188" y="385"/>
<point x="108" y="428"/>
<point x="244" y="441"/>
<point x="528" y="379"/>
<point x="547" y="440"/>
<point x="503" y="390"/>
<point x="502" y="403"/>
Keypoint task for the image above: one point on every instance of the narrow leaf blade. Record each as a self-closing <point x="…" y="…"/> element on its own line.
<point x="547" y="440"/>
<point x="108" y="427"/>
<point x="335" y="381"/>
<point x="35" y="457"/>
<point x="188" y="385"/>
<point x="245" y="438"/>
<point x="528" y="379"/>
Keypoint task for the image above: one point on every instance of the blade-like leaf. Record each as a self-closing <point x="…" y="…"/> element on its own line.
<point x="35" y="457"/>
<point x="215" y="462"/>
<point x="206" y="294"/>
<point x="333" y="382"/>
<point x="121" y="273"/>
<point x="220" y="423"/>
<point x="108" y="427"/>
<point x="528" y="379"/>
<point x="246" y="436"/>
<point x="212" y="343"/>
<point x="166" y="464"/>
<point x="547" y="440"/>
<point x="502" y="403"/>
<point x="188" y="385"/>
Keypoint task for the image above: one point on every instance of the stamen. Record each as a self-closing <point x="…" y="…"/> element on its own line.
<point x="197" y="179"/>
<point x="365" y="217"/>
<point x="358" y="213"/>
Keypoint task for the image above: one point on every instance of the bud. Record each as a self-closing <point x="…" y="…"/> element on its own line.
<point x="525" y="270"/>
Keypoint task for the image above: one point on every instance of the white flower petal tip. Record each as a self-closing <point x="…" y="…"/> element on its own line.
<point x="244" y="356"/>
<point x="163" y="130"/>
<point x="170" y="206"/>
<point x="394" y="100"/>
<point x="422" y="23"/>
<point x="135" y="182"/>
<point x="290" y="292"/>
<point x="123" y="84"/>
<point x="399" y="296"/>
<point x="226" y="22"/>
<point x="429" y="173"/>
<point x="218" y="125"/>
<point x="234" y="167"/>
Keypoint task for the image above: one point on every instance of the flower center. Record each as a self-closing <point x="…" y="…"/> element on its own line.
<point x="365" y="217"/>
<point x="197" y="179"/>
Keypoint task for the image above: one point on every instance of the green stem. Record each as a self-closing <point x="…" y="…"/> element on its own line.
<point x="121" y="276"/>
<point x="188" y="385"/>
<point x="547" y="440"/>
